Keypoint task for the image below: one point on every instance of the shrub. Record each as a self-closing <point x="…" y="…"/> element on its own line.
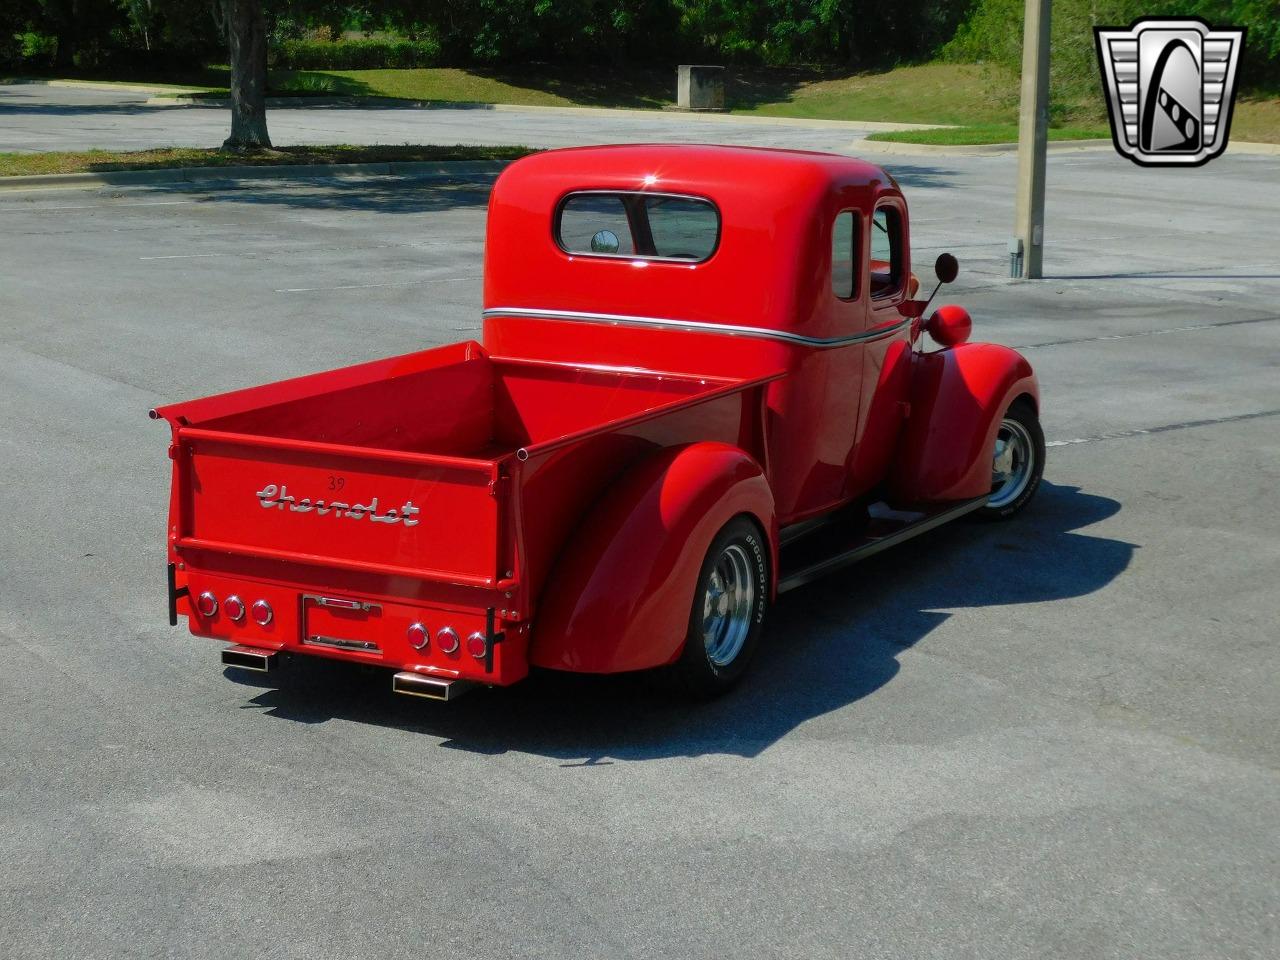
<point x="355" y="54"/>
<point x="37" y="49"/>
<point x="993" y="34"/>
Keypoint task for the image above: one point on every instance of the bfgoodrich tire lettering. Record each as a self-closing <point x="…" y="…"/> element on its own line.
<point x="729" y="605"/>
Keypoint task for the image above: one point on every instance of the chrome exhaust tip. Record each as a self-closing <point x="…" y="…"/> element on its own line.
<point x="429" y="688"/>
<point x="249" y="658"/>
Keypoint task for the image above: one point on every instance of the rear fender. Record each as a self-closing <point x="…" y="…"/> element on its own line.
<point x="958" y="397"/>
<point x="620" y="594"/>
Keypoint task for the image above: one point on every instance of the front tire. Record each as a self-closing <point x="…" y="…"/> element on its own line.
<point x="1017" y="462"/>
<point x="728" y="612"/>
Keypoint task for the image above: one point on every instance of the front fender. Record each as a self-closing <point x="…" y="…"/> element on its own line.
<point x="958" y="397"/>
<point x="619" y="596"/>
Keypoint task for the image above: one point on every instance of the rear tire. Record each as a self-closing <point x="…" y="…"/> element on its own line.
<point x="728" y="612"/>
<point x="1017" y="462"/>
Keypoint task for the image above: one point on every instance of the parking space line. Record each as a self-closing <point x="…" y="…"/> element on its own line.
<point x="188" y="256"/>
<point x="361" y="286"/>
<point x="1184" y="425"/>
<point x="1145" y="333"/>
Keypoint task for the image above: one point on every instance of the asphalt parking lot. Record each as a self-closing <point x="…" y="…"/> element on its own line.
<point x="1051" y="738"/>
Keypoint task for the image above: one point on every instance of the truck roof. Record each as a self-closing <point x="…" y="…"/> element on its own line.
<point x="770" y="266"/>
<point x="634" y="164"/>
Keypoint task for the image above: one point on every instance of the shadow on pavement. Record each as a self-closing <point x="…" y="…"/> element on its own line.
<point x="375" y="193"/>
<point x="409" y="194"/>
<point x="914" y="175"/>
<point x="131" y="108"/>
<point x="826" y="646"/>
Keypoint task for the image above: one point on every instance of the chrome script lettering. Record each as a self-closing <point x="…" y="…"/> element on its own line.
<point x="276" y="496"/>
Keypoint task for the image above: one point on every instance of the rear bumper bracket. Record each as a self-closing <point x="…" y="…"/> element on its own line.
<point x="492" y="639"/>
<point x="175" y="594"/>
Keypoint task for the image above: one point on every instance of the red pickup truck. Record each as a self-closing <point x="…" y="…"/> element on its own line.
<point x="702" y="383"/>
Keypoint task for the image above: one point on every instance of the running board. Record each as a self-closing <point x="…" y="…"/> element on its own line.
<point x="815" y="563"/>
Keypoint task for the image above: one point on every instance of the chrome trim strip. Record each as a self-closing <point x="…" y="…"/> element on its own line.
<point x="699" y="326"/>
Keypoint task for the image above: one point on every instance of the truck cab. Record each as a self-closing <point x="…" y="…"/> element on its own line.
<point x="702" y="382"/>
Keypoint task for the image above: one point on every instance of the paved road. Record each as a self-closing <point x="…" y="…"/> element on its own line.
<point x="35" y="118"/>
<point x="1052" y="738"/>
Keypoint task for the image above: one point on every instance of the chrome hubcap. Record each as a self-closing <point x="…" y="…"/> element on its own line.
<point x="1011" y="465"/>
<point x="727" y="605"/>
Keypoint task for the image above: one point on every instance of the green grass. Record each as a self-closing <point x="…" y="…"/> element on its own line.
<point x="104" y="161"/>
<point x="934" y="93"/>
<point x="986" y="133"/>
<point x="636" y="89"/>
<point x="972" y="96"/>
<point x="1256" y="119"/>
<point x="931" y="93"/>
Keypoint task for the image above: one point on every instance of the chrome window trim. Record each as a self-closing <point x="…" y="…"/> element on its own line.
<point x="698" y="326"/>
<point x="559" y="212"/>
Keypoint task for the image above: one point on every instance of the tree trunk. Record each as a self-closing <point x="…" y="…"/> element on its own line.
<point x="851" y="37"/>
<point x="65" y="55"/>
<point x="247" y="43"/>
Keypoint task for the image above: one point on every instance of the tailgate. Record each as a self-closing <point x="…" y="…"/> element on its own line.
<point x="389" y="512"/>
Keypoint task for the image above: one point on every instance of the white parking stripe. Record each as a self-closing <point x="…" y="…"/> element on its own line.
<point x="361" y="286"/>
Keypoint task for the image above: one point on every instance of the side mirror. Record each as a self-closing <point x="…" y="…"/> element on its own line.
<point x="605" y="241"/>
<point x="946" y="267"/>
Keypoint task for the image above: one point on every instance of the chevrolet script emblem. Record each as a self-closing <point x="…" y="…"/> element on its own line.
<point x="277" y="497"/>
<point x="1170" y="87"/>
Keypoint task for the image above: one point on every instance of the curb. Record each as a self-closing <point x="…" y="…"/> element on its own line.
<point x="1257" y="149"/>
<point x="101" y="85"/>
<point x="420" y="169"/>
<point x="302" y="103"/>
<point x="1055" y="146"/>
<point x="970" y="149"/>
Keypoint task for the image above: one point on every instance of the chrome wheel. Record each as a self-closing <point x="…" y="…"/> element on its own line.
<point x="1012" y="464"/>
<point x="727" y="605"/>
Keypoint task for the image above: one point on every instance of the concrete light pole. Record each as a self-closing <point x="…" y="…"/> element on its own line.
<point x="1026" y="249"/>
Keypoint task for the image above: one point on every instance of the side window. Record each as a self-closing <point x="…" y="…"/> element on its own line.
<point x="844" y="255"/>
<point x="682" y="229"/>
<point x="886" y="252"/>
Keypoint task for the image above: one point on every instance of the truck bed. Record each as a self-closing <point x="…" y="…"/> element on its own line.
<point x="427" y="466"/>
<point x="460" y="402"/>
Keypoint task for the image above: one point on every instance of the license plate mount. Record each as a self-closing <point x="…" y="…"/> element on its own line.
<point x="341" y="623"/>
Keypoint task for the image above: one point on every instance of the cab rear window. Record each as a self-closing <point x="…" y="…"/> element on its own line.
<point x="653" y="226"/>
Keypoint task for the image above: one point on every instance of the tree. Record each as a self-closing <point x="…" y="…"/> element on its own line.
<point x="246" y="31"/>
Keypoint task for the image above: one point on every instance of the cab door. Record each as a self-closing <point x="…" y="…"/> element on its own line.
<point x="886" y="352"/>
<point x="818" y="404"/>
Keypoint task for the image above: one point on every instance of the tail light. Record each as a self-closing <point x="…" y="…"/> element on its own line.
<point x="447" y="640"/>
<point x="261" y="611"/>
<point x="207" y="604"/>
<point x="419" y="636"/>
<point x="477" y="645"/>
<point x="233" y="607"/>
